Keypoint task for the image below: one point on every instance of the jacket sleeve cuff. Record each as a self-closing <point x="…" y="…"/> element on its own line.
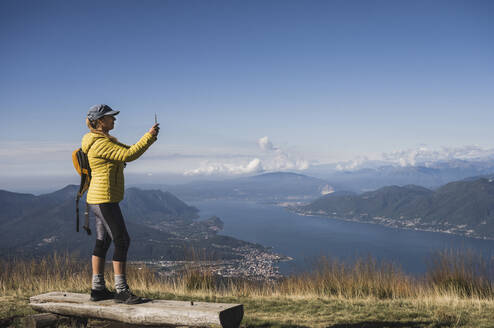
<point x="151" y="137"/>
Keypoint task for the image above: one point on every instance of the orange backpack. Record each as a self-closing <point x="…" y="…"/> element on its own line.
<point x="81" y="164"/>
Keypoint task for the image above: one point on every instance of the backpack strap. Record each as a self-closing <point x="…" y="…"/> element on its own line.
<point x="77" y="213"/>
<point x="84" y="170"/>
<point x="78" y="197"/>
<point x="86" y="223"/>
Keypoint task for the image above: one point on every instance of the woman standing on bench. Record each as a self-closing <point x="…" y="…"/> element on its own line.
<point x="107" y="158"/>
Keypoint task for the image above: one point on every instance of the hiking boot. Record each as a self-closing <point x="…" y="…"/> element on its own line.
<point x="127" y="297"/>
<point x="99" y="295"/>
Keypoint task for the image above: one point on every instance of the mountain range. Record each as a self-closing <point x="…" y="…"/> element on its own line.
<point x="430" y="176"/>
<point x="267" y="187"/>
<point x="160" y="224"/>
<point x="163" y="226"/>
<point x="464" y="207"/>
<point x="319" y="180"/>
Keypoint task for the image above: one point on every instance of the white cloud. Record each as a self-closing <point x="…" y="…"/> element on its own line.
<point x="420" y="156"/>
<point x="54" y="158"/>
<point x="278" y="159"/>
<point x="207" y="168"/>
<point x="354" y="164"/>
<point x="266" y="145"/>
<point x="424" y="155"/>
<point x="272" y="158"/>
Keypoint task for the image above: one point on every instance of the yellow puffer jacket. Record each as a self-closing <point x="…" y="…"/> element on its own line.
<point x="107" y="159"/>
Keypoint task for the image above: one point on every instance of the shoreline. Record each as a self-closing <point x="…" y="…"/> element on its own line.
<point x="410" y="225"/>
<point x="252" y="264"/>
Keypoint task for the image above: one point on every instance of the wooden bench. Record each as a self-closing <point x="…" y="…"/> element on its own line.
<point x="153" y="313"/>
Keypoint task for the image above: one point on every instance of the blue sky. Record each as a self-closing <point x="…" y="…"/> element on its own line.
<point x="324" y="81"/>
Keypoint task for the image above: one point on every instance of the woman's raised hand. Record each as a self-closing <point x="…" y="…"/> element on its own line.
<point x="155" y="130"/>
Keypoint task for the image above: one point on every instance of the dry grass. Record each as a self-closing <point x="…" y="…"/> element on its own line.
<point x="457" y="291"/>
<point x="450" y="275"/>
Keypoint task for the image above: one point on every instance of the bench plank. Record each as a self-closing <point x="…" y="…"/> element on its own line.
<point x="153" y="313"/>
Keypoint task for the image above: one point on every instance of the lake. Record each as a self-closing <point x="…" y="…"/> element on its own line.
<point x="306" y="238"/>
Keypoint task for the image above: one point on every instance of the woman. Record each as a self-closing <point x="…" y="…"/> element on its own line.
<point x="107" y="158"/>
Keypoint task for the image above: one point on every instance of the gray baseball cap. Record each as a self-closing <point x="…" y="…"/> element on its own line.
<point x="98" y="111"/>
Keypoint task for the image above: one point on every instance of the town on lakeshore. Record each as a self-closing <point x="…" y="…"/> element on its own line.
<point x="251" y="263"/>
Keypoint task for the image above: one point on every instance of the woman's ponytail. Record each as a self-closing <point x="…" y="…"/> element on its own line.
<point x="94" y="128"/>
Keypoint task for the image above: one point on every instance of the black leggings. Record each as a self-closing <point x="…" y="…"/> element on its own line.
<point x="110" y="226"/>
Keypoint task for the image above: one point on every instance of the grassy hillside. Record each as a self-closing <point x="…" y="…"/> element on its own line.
<point x="456" y="292"/>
